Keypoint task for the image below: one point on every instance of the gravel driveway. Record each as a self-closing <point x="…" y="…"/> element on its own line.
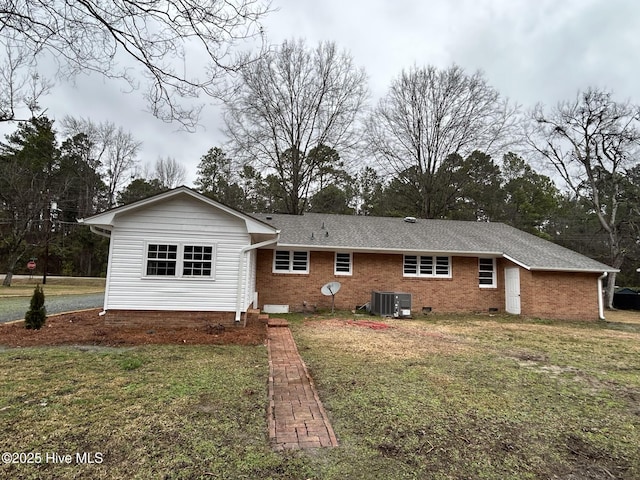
<point x="15" y="308"/>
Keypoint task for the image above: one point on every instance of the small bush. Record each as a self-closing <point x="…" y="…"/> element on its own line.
<point x="37" y="313"/>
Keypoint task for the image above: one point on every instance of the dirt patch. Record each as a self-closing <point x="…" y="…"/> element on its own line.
<point x="87" y="328"/>
<point x="369" y="324"/>
<point x="592" y="463"/>
<point x="527" y="356"/>
<point x="383" y="340"/>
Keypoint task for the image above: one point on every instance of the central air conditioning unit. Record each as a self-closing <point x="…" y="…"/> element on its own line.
<point x="391" y="304"/>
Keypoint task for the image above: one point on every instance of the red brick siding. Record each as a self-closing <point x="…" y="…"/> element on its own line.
<point x="383" y="272"/>
<point x="563" y="295"/>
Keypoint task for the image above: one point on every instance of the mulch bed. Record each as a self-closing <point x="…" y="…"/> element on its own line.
<point x="87" y="328"/>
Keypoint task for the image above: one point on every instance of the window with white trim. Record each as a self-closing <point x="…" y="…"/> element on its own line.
<point x="342" y="263"/>
<point x="426" y="266"/>
<point x="290" y="261"/>
<point x="177" y="260"/>
<point x="487" y="272"/>
<point x="197" y="261"/>
<point x="162" y="260"/>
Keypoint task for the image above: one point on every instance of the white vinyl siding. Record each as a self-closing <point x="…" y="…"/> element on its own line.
<point x="343" y="263"/>
<point x="487" y="272"/>
<point x="290" y="261"/>
<point x="181" y="222"/>
<point x="426" y="266"/>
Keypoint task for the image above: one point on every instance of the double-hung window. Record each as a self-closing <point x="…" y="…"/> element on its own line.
<point x="427" y="266"/>
<point x="487" y="272"/>
<point x="197" y="261"/>
<point x="290" y="261"/>
<point x="162" y="260"/>
<point x="178" y="260"/>
<point x="342" y="264"/>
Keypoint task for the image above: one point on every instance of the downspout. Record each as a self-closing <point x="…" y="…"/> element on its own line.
<point x="600" y="299"/>
<point x="241" y="268"/>
<point x="103" y="233"/>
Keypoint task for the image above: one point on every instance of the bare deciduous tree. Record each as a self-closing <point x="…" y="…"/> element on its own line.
<point x="592" y="142"/>
<point x="181" y="46"/>
<point x="20" y="84"/>
<point x="430" y="114"/>
<point x="169" y="172"/>
<point x="287" y="103"/>
<point x="114" y="150"/>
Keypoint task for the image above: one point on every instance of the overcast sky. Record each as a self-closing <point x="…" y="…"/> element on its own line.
<point x="529" y="50"/>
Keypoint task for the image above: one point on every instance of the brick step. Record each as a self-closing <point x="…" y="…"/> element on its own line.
<point x="277" y="322"/>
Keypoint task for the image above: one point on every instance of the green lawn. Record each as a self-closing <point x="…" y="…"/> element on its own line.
<point x="448" y="397"/>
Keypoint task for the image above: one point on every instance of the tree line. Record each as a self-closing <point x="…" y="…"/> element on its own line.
<point x="304" y="134"/>
<point x="299" y="115"/>
<point x="47" y="185"/>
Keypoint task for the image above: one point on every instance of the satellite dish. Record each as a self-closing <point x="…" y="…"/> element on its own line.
<point x="330" y="289"/>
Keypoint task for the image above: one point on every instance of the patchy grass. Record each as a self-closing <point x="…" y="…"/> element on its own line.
<point x="150" y="412"/>
<point x="623" y="316"/>
<point x="444" y="397"/>
<point x="23" y="286"/>
<point x="480" y="397"/>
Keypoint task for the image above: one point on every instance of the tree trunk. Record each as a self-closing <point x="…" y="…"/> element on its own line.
<point x="11" y="266"/>
<point x="611" y="283"/>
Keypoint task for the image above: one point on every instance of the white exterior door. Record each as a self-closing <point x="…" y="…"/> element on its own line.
<point x="512" y="290"/>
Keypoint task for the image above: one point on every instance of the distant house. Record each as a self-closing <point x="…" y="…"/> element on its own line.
<point x="182" y="257"/>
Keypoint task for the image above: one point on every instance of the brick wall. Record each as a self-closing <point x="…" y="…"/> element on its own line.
<point x="382" y="272"/>
<point x="564" y="295"/>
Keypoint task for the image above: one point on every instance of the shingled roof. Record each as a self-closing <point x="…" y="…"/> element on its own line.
<point x="316" y="231"/>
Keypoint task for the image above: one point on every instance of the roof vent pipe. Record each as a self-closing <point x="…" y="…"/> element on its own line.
<point x="410" y="219"/>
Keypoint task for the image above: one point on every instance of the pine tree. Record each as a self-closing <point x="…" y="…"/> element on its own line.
<point x="37" y="314"/>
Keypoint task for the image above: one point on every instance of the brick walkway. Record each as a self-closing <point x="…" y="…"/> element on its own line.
<point x="296" y="416"/>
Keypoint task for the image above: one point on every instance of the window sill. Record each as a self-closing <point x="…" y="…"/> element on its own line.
<point x="416" y="277"/>
<point x="168" y="277"/>
<point x="281" y="273"/>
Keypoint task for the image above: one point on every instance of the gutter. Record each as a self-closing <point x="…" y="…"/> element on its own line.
<point x="350" y="248"/>
<point x="100" y="231"/>
<point x="600" y="299"/>
<point x="241" y="268"/>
